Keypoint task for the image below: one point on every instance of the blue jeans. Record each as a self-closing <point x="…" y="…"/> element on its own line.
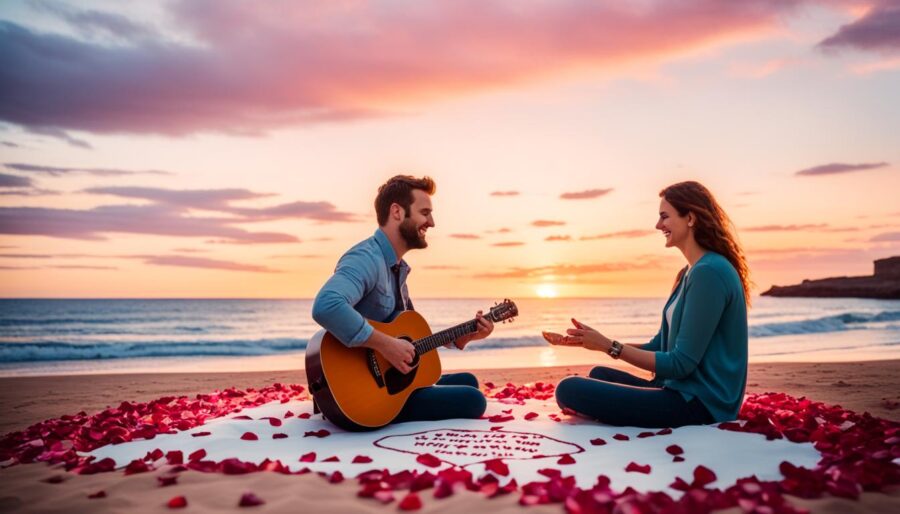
<point x="454" y="396"/>
<point x="618" y="398"/>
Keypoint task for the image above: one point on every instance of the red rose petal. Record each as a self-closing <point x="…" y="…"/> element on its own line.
<point x="177" y="502"/>
<point x="427" y="459"/>
<point x="530" y="416"/>
<point x="250" y="500"/>
<point x="497" y="466"/>
<point x="678" y="458"/>
<point x="304" y="415"/>
<point x="644" y="435"/>
<point x="166" y="480"/>
<point x="598" y="442"/>
<point x="500" y="418"/>
<point x="410" y="502"/>
<point x="703" y="476"/>
<point x="242" y="417"/>
<point x="317" y="433"/>
<point x="566" y="459"/>
<point x="288" y="414"/>
<point x="336" y="478"/>
<point x="249" y="436"/>
<point x="279" y="436"/>
<point x="665" y="431"/>
<point x="175" y="457"/>
<point x="197" y="455"/>
<point x="621" y="437"/>
<point x="275" y="422"/>
<point x="362" y="459"/>
<point x="333" y="458"/>
<point x="200" y="434"/>
<point x="634" y="467"/>
<point x="674" y="449"/>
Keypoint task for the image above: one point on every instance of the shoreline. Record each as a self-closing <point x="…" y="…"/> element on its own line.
<point x="867" y="386"/>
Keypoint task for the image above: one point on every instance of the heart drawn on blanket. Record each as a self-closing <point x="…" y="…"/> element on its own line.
<point x="461" y="447"/>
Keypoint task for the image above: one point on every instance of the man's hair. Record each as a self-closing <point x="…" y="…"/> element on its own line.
<point x="398" y="190"/>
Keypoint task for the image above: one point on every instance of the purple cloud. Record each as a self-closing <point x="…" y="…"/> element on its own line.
<point x="54" y="132"/>
<point x="547" y="223"/>
<point x="153" y="83"/>
<point x="886" y="237"/>
<point x="14" y="181"/>
<point x="159" y="220"/>
<point x="585" y="195"/>
<point x="184" y="261"/>
<point x="785" y="228"/>
<point x="9" y="144"/>
<point x="620" y="234"/>
<point x="505" y="193"/>
<point x="218" y="200"/>
<point x="57" y="171"/>
<point x="836" y="167"/>
<point x="574" y="269"/>
<point x="878" y="29"/>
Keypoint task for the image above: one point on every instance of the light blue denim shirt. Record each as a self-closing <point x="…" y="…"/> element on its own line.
<point x="361" y="288"/>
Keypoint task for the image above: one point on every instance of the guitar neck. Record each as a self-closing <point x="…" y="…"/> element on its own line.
<point x="436" y="340"/>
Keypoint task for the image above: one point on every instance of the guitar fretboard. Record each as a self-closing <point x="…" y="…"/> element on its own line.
<point x="426" y="344"/>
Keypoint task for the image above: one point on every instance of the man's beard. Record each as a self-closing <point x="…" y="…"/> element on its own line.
<point x="410" y="234"/>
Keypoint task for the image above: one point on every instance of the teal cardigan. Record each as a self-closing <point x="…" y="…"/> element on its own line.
<point x="706" y="354"/>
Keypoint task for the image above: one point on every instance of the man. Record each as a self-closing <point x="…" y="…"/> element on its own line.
<point x="369" y="282"/>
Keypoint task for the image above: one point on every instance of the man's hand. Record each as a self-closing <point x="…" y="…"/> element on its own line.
<point x="485" y="327"/>
<point x="400" y="353"/>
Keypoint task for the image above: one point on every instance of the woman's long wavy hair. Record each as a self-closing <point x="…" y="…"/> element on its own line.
<point x="713" y="229"/>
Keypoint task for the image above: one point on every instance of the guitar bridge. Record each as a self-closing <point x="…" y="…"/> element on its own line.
<point x="374" y="368"/>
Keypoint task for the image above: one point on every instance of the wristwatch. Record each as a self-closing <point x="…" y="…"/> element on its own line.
<point x="615" y="349"/>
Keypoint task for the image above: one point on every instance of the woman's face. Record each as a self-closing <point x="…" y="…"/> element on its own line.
<point x="674" y="227"/>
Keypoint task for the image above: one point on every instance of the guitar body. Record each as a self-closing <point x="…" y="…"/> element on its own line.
<point x="356" y="388"/>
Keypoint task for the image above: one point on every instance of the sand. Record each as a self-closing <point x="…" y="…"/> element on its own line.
<point x="860" y="386"/>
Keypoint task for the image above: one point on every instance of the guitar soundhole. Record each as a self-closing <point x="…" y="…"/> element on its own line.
<point x="397" y="382"/>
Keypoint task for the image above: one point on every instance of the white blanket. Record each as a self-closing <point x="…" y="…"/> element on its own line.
<point x="525" y="446"/>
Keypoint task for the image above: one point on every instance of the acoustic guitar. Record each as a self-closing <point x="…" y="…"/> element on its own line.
<point x="358" y="389"/>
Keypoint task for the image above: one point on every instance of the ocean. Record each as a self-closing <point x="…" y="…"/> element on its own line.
<point x="41" y="337"/>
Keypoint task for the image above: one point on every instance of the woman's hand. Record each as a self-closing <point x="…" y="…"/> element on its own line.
<point x="587" y="337"/>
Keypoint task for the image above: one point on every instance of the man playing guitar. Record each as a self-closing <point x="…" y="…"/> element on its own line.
<point x="369" y="282"/>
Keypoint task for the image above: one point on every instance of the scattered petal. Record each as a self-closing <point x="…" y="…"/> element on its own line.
<point x="279" y="436"/>
<point x="249" y="436"/>
<point x="598" y="442"/>
<point x="177" y="502"/>
<point x="410" y="502"/>
<point x="674" y="449"/>
<point x="427" y="459"/>
<point x="362" y="459"/>
<point x="317" y="433"/>
<point x="621" y="437"/>
<point x="566" y="459"/>
<point x="634" y="467"/>
<point x="308" y="457"/>
<point x="530" y="416"/>
<point x="250" y="500"/>
<point x="497" y="466"/>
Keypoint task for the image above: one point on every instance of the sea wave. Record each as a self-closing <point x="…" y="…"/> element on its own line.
<point x="61" y="351"/>
<point x="835" y="323"/>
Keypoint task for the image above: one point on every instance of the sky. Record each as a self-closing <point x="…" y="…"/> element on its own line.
<point x="230" y="149"/>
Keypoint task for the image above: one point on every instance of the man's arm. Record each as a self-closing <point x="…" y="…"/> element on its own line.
<point x="333" y="309"/>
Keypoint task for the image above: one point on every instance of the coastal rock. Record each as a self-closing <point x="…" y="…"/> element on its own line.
<point x="883" y="284"/>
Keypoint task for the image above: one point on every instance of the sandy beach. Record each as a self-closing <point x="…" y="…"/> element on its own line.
<point x="862" y="386"/>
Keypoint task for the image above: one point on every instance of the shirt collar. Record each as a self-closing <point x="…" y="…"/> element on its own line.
<point x="387" y="250"/>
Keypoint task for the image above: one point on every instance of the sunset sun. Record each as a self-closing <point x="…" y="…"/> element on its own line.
<point x="546" y="291"/>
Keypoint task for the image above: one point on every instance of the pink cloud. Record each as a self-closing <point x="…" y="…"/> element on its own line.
<point x="620" y="234"/>
<point x="465" y="236"/>
<point x="184" y="261"/>
<point x="558" y="238"/>
<point x="837" y="167"/>
<point x="508" y="243"/>
<point x="585" y="195"/>
<point x="505" y="193"/>
<point x="547" y="223"/>
<point x="245" y="68"/>
<point x="559" y="270"/>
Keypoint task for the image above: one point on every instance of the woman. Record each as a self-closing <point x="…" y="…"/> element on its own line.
<point x="699" y="356"/>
